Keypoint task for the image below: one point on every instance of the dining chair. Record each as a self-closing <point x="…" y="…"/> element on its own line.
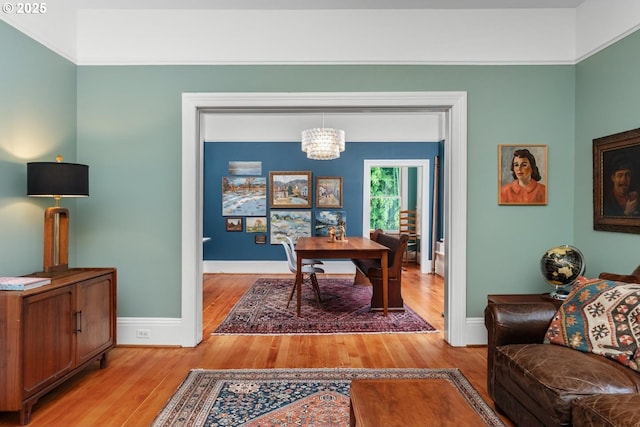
<point x="409" y="226"/>
<point x="308" y="273"/>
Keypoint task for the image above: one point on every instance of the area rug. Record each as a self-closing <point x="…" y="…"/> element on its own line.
<point x="344" y="309"/>
<point x="292" y="397"/>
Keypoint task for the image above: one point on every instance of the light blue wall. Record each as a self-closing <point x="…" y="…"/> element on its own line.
<point x="608" y="102"/>
<point x="37" y="122"/>
<point x="129" y="132"/>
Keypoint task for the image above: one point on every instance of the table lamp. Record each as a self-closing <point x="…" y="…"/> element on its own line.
<point x="57" y="180"/>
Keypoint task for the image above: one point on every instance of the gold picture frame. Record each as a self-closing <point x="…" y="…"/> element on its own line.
<point x="328" y="192"/>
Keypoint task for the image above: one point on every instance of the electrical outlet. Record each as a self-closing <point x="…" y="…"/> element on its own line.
<point x="143" y="333"/>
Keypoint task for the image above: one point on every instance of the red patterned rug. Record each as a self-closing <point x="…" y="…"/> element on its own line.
<point x="296" y="397"/>
<point x="344" y="309"/>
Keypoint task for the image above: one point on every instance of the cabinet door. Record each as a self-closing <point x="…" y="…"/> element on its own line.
<point x="95" y="306"/>
<point x="48" y="337"/>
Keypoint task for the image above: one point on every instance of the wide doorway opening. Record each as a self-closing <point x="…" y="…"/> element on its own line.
<point x="452" y="104"/>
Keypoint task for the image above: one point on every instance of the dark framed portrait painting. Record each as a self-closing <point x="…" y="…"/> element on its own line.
<point x="522" y="174"/>
<point x="616" y="182"/>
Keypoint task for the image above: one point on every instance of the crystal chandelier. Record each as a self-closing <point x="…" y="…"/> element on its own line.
<point x="323" y="143"/>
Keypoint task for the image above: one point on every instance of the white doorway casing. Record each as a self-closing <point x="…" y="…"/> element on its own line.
<point x="454" y="104"/>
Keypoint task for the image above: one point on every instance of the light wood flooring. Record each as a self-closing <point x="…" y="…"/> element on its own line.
<point x="139" y="380"/>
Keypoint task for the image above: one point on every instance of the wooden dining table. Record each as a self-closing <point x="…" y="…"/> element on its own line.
<point x="351" y="247"/>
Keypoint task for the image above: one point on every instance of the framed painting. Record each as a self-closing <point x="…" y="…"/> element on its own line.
<point x="290" y="189"/>
<point x="294" y="224"/>
<point x="328" y="192"/>
<point x="327" y="219"/>
<point x="256" y="224"/>
<point x="237" y="167"/>
<point x="522" y="174"/>
<point x="260" y="239"/>
<point x="234" y="224"/>
<point x="244" y="196"/>
<point x="616" y="182"/>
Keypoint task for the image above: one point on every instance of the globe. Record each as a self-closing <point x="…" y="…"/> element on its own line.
<point x="560" y="267"/>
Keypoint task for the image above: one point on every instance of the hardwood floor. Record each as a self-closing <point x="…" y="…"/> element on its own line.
<point x="139" y="380"/>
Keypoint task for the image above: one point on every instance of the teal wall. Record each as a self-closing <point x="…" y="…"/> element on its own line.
<point x="129" y="132"/>
<point x="608" y="102"/>
<point x="37" y="122"/>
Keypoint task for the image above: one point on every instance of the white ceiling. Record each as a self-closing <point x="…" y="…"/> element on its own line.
<point x="244" y="32"/>
<point x="326" y="4"/>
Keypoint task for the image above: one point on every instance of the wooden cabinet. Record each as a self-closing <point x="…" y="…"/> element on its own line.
<point x="49" y="333"/>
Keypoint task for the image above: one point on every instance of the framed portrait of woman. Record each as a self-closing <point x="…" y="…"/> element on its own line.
<point x="522" y="174"/>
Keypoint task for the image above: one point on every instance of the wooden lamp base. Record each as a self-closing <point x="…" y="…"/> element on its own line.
<point x="56" y="240"/>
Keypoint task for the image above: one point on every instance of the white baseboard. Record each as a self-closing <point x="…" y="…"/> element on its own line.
<point x="168" y="331"/>
<point x="152" y="331"/>
<point x="476" y="331"/>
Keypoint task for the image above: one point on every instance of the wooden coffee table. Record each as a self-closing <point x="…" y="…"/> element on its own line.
<point x="415" y="402"/>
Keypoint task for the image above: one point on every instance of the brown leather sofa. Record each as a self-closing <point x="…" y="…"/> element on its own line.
<point x="370" y="269"/>
<point x="538" y="384"/>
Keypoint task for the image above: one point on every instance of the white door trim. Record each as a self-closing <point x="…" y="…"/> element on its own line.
<point x="455" y="166"/>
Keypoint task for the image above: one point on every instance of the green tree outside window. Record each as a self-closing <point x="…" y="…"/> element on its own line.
<point x="385" y="198"/>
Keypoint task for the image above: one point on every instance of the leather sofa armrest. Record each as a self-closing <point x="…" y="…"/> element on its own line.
<point x="514" y="323"/>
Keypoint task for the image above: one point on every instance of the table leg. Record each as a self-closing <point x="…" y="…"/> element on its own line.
<point x="385" y="281"/>
<point x="298" y="285"/>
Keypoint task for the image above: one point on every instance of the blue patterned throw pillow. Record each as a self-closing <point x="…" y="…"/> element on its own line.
<point x="601" y="317"/>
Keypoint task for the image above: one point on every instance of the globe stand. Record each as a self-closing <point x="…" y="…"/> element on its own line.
<point x="560" y="293"/>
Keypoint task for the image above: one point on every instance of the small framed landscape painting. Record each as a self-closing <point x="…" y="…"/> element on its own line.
<point x="256" y="224"/>
<point x="245" y="168"/>
<point x="290" y="189"/>
<point x="234" y="224"/>
<point x="522" y="174"/>
<point x="329" y="192"/>
<point x="616" y="182"/>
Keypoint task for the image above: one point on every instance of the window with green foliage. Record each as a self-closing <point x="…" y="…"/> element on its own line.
<point x="385" y="198"/>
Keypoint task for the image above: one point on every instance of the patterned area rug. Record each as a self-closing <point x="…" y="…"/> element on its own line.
<point x="344" y="309"/>
<point x="292" y="397"/>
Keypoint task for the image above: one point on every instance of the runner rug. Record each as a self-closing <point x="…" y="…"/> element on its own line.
<point x="295" y="397"/>
<point x="344" y="309"/>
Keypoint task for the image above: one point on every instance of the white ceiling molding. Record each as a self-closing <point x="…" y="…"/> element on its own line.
<point x="139" y="32"/>
<point x="154" y="37"/>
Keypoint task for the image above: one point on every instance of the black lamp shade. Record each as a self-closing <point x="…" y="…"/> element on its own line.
<point x="49" y="179"/>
